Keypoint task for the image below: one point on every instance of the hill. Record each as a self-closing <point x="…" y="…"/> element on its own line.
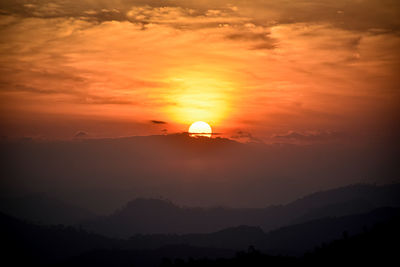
<point x="374" y="247"/>
<point x="29" y="244"/>
<point x="148" y="216"/>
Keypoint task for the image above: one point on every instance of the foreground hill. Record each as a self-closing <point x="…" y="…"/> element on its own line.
<point x="301" y="238"/>
<point x="291" y="240"/>
<point x="375" y="247"/>
<point x="25" y="243"/>
<point x="147" y="216"/>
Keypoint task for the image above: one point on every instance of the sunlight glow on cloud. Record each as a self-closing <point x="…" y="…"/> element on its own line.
<point x="266" y="66"/>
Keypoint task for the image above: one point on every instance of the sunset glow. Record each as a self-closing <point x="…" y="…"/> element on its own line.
<point x="110" y="67"/>
<point x="200" y="94"/>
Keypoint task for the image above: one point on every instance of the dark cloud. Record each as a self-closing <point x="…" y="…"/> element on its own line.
<point x="265" y="45"/>
<point x="354" y="15"/>
<point x="81" y="134"/>
<point x="350" y="15"/>
<point x="249" y="36"/>
<point x="261" y="40"/>
<point x="5" y="86"/>
<point x="181" y="14"/>
<point x="158" y="122"/>
<point x="310" y="136"/>
<point x="104" y="100"/>
<point x="242" y="135"/>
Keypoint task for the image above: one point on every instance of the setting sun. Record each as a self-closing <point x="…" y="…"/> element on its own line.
<point x="200" y="128"/>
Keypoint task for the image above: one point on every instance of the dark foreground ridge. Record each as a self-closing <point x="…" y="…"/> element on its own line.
<point x="29" y="244"/>
<point x="375" y="247"/>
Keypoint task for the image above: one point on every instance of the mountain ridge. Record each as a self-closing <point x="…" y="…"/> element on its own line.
<point x="144" y="215"/>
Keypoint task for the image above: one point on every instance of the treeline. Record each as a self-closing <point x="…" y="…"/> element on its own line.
<point x="378" y="246"/>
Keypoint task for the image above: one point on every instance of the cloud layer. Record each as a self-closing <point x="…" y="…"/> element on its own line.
<point x="268" y="67"/>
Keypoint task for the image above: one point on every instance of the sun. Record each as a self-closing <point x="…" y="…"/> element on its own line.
<point x="200" y="128"/>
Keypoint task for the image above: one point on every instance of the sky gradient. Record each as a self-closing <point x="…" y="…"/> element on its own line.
<point x="262" y="71"/>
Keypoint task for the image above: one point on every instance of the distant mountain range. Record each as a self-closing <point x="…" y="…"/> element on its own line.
<point x="145" y="231"/>
<point x="156" y="216"/>
<point x="149" y="216"/>
<point x="290" y="240"/>
<point x="26" y="243"/>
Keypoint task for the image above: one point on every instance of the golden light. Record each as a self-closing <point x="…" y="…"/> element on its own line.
<point x="199" y="95"/>
<point x="200" y="128"/>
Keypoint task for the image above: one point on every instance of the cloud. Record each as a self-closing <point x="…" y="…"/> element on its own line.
<point x="106" y="100"/>
<point x="81" y="134"/>
<point x="310" y="136"/>
<point x="183" y="17"/>
<point x="137" y="59"/>
<point x="351" y="15"/>
<point x="257" y="37"/>
<point x="245" y="136"/>
<point x="158" y="122"/>
<point x="249" y="36"/>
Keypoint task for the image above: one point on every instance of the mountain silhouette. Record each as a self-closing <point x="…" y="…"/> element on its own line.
<point x="300" y="238"/>
<point x="26" y="243"/>
<point x="147" y="216"/>
<point x="29" y="244"/>
<point x="290" y="240"/>
<point x="377" y="246"/>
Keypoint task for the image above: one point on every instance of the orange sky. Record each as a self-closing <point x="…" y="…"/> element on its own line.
<point x="254" y="70"/>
